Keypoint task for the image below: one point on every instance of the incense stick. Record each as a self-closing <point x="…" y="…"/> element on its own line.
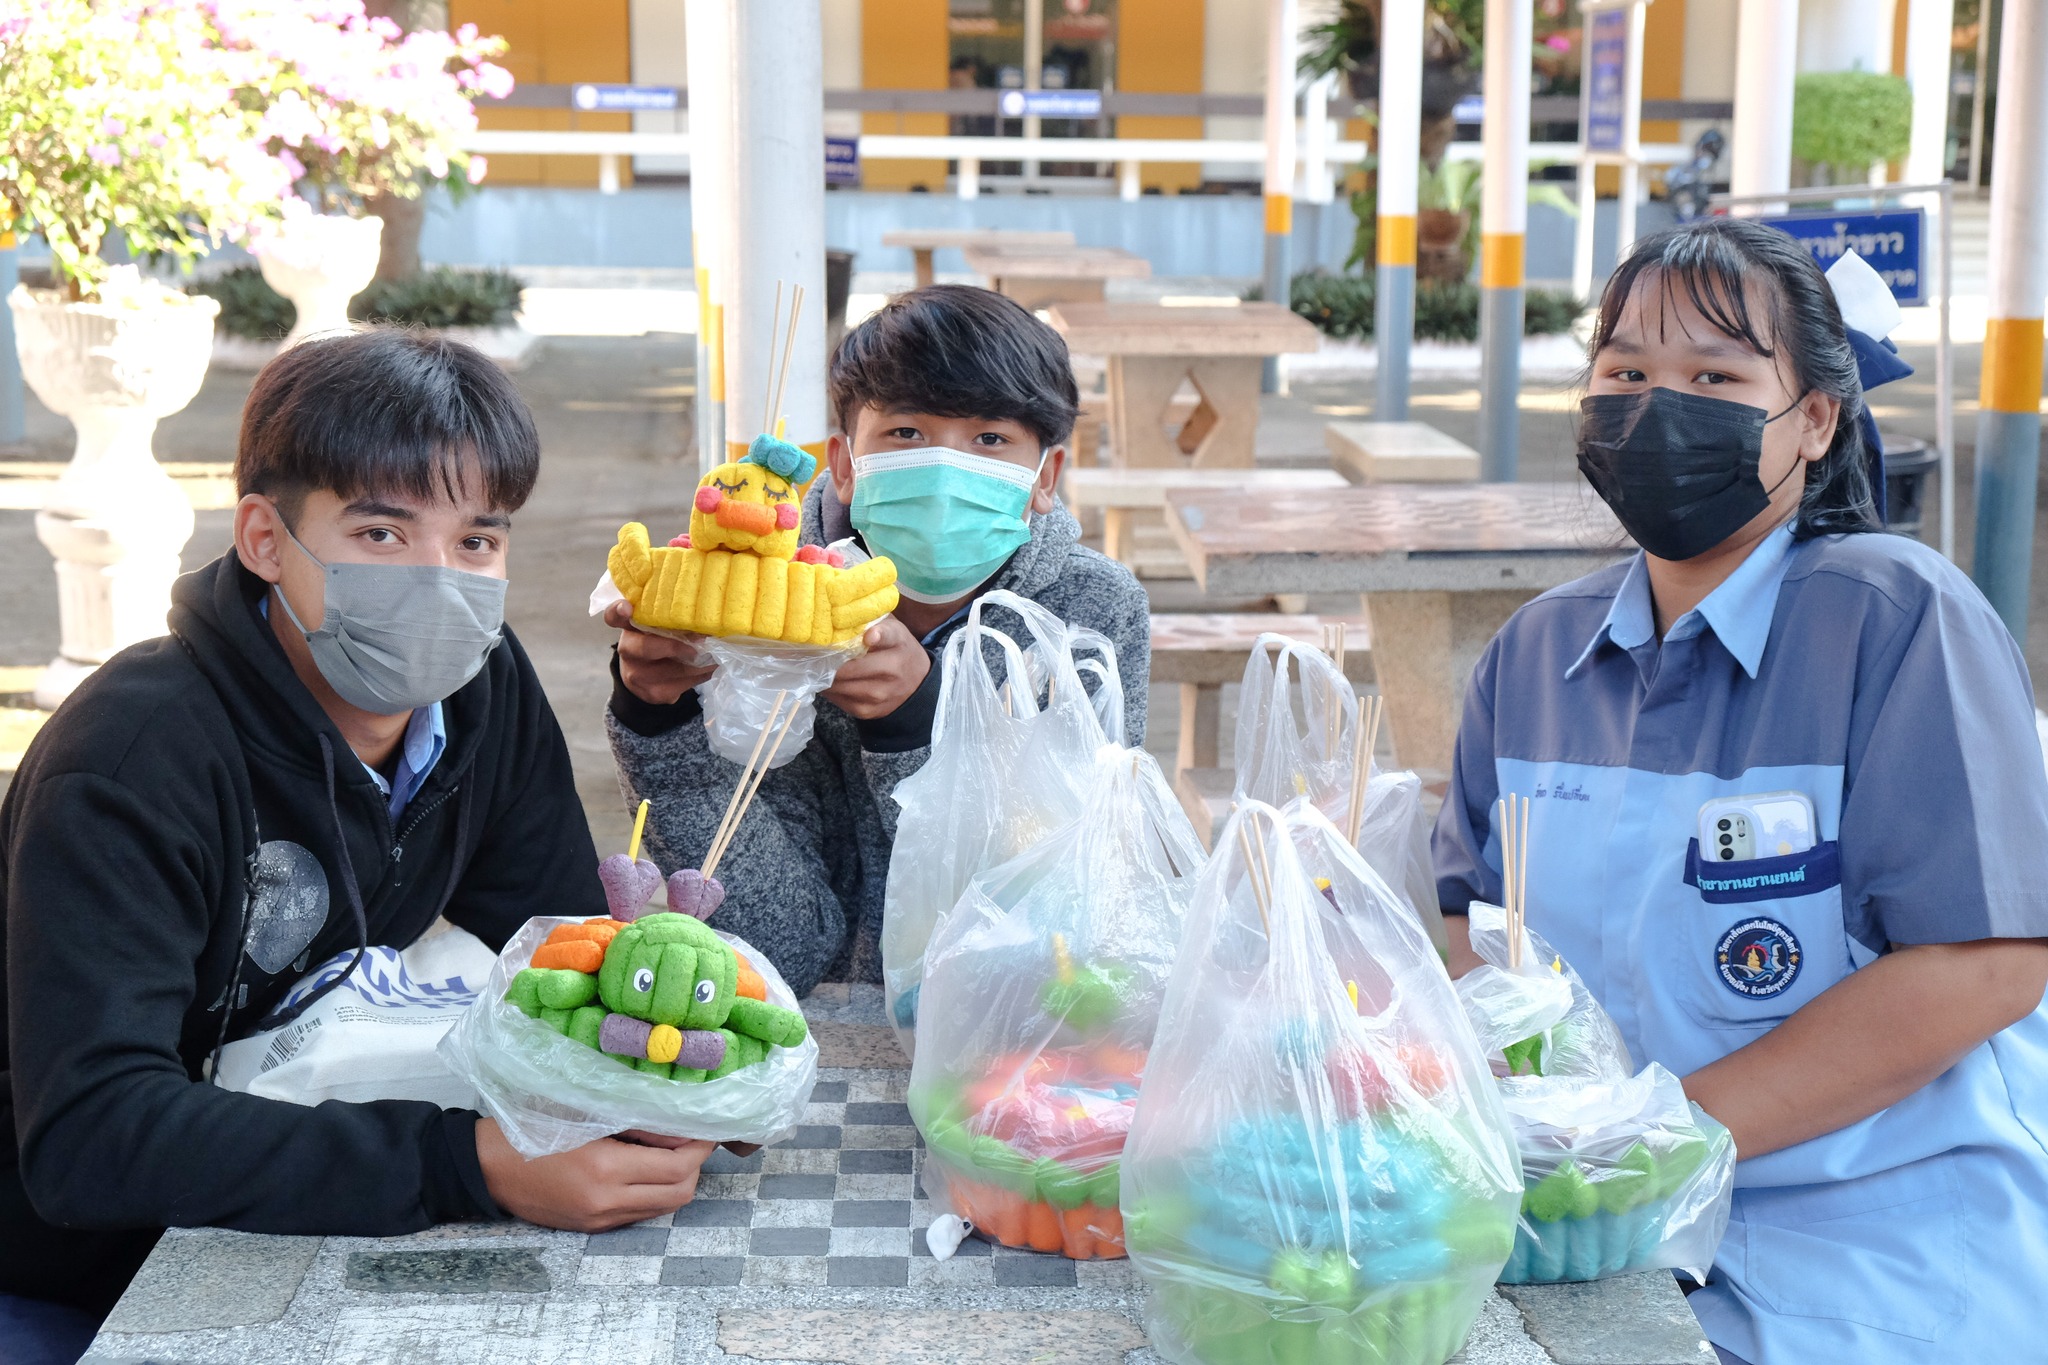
<point x="639" y="828"/>
<point x="796" y="310"/>
<point x="760" y="775"/>
<point x="725" y="822"/>
<point x="768" y="390"/>
<point x="1512" y="814"/>
<point x="1251" y="877"/>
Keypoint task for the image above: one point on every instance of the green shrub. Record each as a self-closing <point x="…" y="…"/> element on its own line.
<point x="1850" y="120"/>
<point x="249" y="307"/>
<point x="1341" y="306"/>
<point x="434" y="298"/>
<point x="441" y="297"/>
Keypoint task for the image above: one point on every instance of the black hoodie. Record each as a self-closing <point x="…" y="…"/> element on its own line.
<point x="191" y="798"/>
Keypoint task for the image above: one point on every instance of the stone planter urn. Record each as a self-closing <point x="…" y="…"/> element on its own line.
<point x="320" y="262"/>
<point x="114" y="520"/>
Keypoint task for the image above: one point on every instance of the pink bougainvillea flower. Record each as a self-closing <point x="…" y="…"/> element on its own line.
<point x="112" y="127"/>
<point x="105" y="154"/>
<point x="479" y="167"/>
<point x="1558" y="42"/>
<point x="495" y="80"/>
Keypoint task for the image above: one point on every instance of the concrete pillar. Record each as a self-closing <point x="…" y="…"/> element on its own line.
<point x="13" y="409"/>
<point x="2009" y="417"/>
<point x="1767" y="50"/>
<point x="708" y="24"/>
<point x="1283" y="23"/>
<point x="1930" y="26"/>
<point x="777" y="224"/>
<point x="1400" y="157"/>
<point x="1846" y="35"/>
<point x="1503" y="222"/>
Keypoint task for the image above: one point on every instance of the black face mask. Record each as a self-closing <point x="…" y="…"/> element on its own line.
<point x="1679" y="469"/>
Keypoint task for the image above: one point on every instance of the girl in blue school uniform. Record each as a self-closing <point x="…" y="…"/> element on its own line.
<point x="1790" y="822"/>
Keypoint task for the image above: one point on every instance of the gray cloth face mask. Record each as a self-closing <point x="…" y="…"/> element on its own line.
<point x="397" y="637"/>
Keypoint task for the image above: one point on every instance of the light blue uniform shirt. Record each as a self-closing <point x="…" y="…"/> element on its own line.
<point x="1868" y="673"/>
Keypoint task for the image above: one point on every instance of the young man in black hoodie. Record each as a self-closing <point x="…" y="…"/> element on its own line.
<point x="337" y="743"/>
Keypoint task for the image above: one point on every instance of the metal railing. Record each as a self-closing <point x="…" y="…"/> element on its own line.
<point x="1318" y="157"/>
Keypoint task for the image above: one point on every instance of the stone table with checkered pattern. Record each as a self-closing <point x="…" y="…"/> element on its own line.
<point x="810" y="1250"/>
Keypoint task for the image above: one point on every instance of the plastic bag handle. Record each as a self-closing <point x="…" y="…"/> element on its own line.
<point x="1052" y="648"/>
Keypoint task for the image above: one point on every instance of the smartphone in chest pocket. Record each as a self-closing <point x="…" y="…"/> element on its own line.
<point x="1736" y="829"/>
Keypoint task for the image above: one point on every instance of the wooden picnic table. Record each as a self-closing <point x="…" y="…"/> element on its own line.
<point x="1440" y="568"/>
<point x="812" y="1249"/>
<point x="1038" y="277"/>
<point x="1152" y="347"/>
<point x="922" y="242"/>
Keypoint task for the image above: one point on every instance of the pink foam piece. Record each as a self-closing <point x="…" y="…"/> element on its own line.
<point x="810" y="554"/>
<point x="623" y="1036"/>
<point x="708" y="499"/>
<point x="627" y="885"/>
<point x="690" y="893"/>
<point x="786" y="516"/>
<point x="702" y="1049"/>
<point x="681" y="542"/>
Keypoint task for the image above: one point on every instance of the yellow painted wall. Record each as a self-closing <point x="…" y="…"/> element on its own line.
<point x="1159" y="52"/>
<point x="1663" y="63"/>
<point x="903" y="46"/>
<point x="555" y="44"/>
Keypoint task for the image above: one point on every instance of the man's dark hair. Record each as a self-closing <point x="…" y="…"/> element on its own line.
<point x="956" y="351"/>
<point x="385" y="411"/>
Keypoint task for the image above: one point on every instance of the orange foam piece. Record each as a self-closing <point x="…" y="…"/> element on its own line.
<point x="1075" y="1231"/>
<point x="1042" y="1221"/>
<point x="576" y="955"/>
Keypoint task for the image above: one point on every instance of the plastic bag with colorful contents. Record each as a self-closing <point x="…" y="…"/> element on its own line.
<point x="1041" y="993"/>
<point x="1319" y="1171"/>
<point x="1011" y="761"/>
<point x="592" y="1027"/>
<point x="1621" y="1171"/>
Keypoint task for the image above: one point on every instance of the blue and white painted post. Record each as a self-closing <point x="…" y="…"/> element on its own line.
<point x="1503" y="223"/>
<point x="1400" y="157"/>
<point x="708" y="34"/>
<point x="2009" y="398"/>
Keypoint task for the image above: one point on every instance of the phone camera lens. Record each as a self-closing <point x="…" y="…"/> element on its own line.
<point x="1722" y="825"/>
<point x="1727" y="839"/>
<point x="1727" y="855"/>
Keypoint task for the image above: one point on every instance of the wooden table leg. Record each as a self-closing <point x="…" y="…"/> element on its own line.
<point x="923" y="257"/>
<point x="1141" y="389"/>
<point x="1224" y="428"/>
<point x="1116" y="524"/>
<point x="1201" y="724"/>
<point x="1424" y="645"/>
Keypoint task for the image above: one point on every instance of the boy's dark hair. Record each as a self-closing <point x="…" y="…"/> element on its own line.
<point x="385" y="411"/>
<point x="957" y="351"/>
<point x="1711" y="261"/>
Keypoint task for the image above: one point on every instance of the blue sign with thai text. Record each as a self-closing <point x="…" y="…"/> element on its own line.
<point x="625" y="99"/>
<point x="1606" y="81"/>
<point x="842" y="161"/>
<point x="1051" y="103"/>
<point x="1890" y="242"/>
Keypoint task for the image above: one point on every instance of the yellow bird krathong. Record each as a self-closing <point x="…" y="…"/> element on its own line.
<point x="740" y="571"/>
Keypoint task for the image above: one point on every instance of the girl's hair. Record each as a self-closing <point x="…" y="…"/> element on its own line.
<point x="1712" y="261"/>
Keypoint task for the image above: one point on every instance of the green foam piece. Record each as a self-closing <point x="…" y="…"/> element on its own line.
<point x="1004" y="1165"/>
<point x="1526" y="1057"/>
<point x="1105" y="1187"/>
<point x="586" y="1025"/>
<point x="1631" y="1183"/>
<point x="1061" y="1185"/>
<point x="561" y="989"/>
<point x="1564" y="1193"/>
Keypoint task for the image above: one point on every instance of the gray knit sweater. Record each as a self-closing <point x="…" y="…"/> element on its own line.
<point x="804" y="875"/>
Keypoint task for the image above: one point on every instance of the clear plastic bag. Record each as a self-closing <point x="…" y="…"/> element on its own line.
<point x="1621" y="1172"/>
<point x="1297" y="735"/>
<point x="1010" y="762"/>
<point x="1320" y="1169"/>
<point x="741" y="693"/>
<point x="1041" y="994"/>
<point x="550" y="1093"/>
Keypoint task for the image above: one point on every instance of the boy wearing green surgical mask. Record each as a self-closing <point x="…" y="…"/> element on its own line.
<point x="954" y="406"/>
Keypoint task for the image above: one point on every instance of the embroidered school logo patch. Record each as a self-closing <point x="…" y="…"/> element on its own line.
<point x="1758" y="958"/>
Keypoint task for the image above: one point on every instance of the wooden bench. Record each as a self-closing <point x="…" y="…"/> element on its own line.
<point x="1400" y="452"/>
<point x="922" y="242"/>
<point x="1200" y="652"/>
<point x="1121" y="493"/>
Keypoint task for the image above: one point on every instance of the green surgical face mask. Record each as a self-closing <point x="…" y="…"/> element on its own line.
<point x="949" y="520"/>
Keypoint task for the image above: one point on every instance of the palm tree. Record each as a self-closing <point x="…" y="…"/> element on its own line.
<point x="1451" y="51"/>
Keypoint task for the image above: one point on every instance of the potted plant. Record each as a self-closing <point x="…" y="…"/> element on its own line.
<point x="120" y="123"/>
<point x="1451" y="34"/>
<point x="357" y="111"/>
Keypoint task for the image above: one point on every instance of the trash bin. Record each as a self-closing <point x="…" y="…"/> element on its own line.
<point x="1908" y="464"/>
<point x="838" y="284"/>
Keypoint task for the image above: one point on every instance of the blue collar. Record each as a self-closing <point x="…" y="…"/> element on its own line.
<point x="1739" y="611"/>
